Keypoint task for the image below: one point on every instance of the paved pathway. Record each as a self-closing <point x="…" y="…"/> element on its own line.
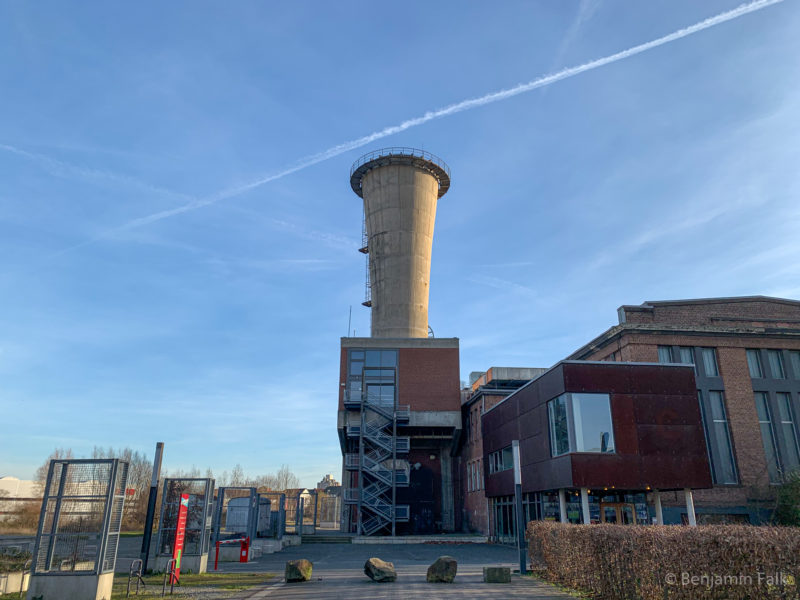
<point x="338" y="573"/>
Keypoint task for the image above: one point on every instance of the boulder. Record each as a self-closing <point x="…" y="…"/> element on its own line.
<point x="298" y="570"/>
<point x="443" y="570"/>
<point x="496" y="575"/>
<point x="380" y="570"/>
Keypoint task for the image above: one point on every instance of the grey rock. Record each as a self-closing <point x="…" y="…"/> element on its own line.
<point x="443" y="570"/>
<point x="380" y="570"/>
<point x="298" y="570"/>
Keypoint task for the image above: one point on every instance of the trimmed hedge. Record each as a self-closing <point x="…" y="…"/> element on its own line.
<point x="648" y="562"/>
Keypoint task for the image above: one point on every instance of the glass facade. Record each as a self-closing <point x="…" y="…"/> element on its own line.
<point x="580" y="423"/>
<point x="604" y="507"/>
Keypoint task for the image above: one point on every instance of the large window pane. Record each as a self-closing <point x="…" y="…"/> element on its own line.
<point x="710" y="362"/>
<point x="373" y="358"/>
<point x="754" y="364"/>
<point x="719" y="438"/>
<point x="794" y="359"/>
<point x="776" y="364"/>
<point x="388" y="358"/>
<point x="559" y="430"/>
<point x="767" y="436"/>
<point x="791" y="459"/>
<point x="664" y="354"/>
<point x="593" y="429"/>
<point x="508" y="459"/>
<point x="686" y="355"/>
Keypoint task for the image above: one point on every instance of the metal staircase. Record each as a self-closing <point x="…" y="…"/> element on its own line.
<point x="380" y="471"/>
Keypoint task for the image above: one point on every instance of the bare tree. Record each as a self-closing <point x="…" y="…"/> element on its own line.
<point x="285" y="479"/>
<point x="237" y="476"/>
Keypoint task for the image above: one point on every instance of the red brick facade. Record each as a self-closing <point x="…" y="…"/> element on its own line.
<point x="730" y="326"/>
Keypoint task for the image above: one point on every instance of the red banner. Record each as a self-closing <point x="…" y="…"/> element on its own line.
<point x="180" y="532"/>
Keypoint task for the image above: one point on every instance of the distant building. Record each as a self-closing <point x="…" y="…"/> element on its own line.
<point x="327" y="482"/>
<point x="14" y="492"/>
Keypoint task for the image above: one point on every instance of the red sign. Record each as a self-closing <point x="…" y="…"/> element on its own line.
<point x="180" y="533"/>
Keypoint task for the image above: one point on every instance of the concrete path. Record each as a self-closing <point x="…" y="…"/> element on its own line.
<point x="339" y="573"/>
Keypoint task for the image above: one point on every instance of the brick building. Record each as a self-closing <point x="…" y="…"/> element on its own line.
<point x="399" y="406"/>
<point x="486" y="390"/>
<point x="746" y="353"/>
<point x="597" y="442"/>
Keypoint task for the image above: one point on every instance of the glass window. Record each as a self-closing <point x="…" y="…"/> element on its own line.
<point x="754" y="364"/>
<point x="593" y="429"/>
<point x="508" y="460"/>
<point x="373" y="358"/>
<point x="776" y="364"/>
<point x="664" y="354"/>
<point x="559" y="430"/>
<point x="794" y="359"/>
<point x="767" y="436"/>
<point x="718" y="437"/>
<point x="356" y="354"/>
<point x="356" y="367"/>
<point x="710" y="362"/>
<point x="792" y="455"/>
<point x="686" y="355"/>
<point x="388" y="358"/>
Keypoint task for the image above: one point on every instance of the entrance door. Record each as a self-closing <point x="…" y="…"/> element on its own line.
<point x="623" y="513"/>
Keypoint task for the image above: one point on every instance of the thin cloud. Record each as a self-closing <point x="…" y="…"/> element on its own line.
<point x="447" y="111"/>
<point x="59" y="168"/>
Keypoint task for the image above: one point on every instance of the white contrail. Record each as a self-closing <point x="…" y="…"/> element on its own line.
<point x="457" y="108"/>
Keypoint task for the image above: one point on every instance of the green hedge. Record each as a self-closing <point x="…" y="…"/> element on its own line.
<point x="627" y="562"/>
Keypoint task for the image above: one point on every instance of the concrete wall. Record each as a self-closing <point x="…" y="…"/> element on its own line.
<point x="400" y="209"/>
<point x="77" y="587"/>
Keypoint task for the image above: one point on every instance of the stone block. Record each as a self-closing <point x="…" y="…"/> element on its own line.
<point x="496" y="575"/>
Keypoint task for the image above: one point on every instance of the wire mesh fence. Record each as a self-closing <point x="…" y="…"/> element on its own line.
<point x="81" y="517"/>
<point x="198" y="521"/>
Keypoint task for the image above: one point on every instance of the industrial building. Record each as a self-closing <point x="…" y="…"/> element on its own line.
<point x="399" y="417"/>
<point x="699" y="399"/>
<point x="746" y="357"/>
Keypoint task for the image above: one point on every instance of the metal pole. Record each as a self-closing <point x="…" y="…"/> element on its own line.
<point x="518" y="497"/>
<point x="151" y="505"/>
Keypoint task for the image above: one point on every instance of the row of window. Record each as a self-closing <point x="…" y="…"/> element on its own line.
<point x="501" y="460"/>
<point x="779" y="436"/>
<point x="755" y="361"/>
<point x="685" y="355"/>
<point x="475" y="475"/>
<point x="774" y="362"/>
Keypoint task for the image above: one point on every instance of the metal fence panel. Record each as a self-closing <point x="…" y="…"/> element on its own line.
<point x="81" y="517"/>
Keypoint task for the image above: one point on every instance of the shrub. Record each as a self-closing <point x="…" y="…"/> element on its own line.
<point x="625" y="562"/>
<point x="787" y="504"/>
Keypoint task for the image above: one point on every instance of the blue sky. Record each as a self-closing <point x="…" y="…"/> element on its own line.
<point x="670" y="174"/>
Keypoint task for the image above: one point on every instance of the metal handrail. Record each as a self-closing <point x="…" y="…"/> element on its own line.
<point x="401" y="151"/>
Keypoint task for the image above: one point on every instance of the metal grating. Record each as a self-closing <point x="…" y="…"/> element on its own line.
<point x="198" y="522"/>
<point x="81" y="517"/>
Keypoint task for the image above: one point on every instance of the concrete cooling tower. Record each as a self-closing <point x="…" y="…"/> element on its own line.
<point x="400" y="188"/>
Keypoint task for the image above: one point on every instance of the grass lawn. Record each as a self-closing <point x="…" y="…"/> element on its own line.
<point x="212" y="585"/>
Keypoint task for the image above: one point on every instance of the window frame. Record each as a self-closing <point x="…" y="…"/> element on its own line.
<point x="572" y="439"/>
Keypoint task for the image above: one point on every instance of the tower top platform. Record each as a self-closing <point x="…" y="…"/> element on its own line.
<point x="412" y="157"/>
